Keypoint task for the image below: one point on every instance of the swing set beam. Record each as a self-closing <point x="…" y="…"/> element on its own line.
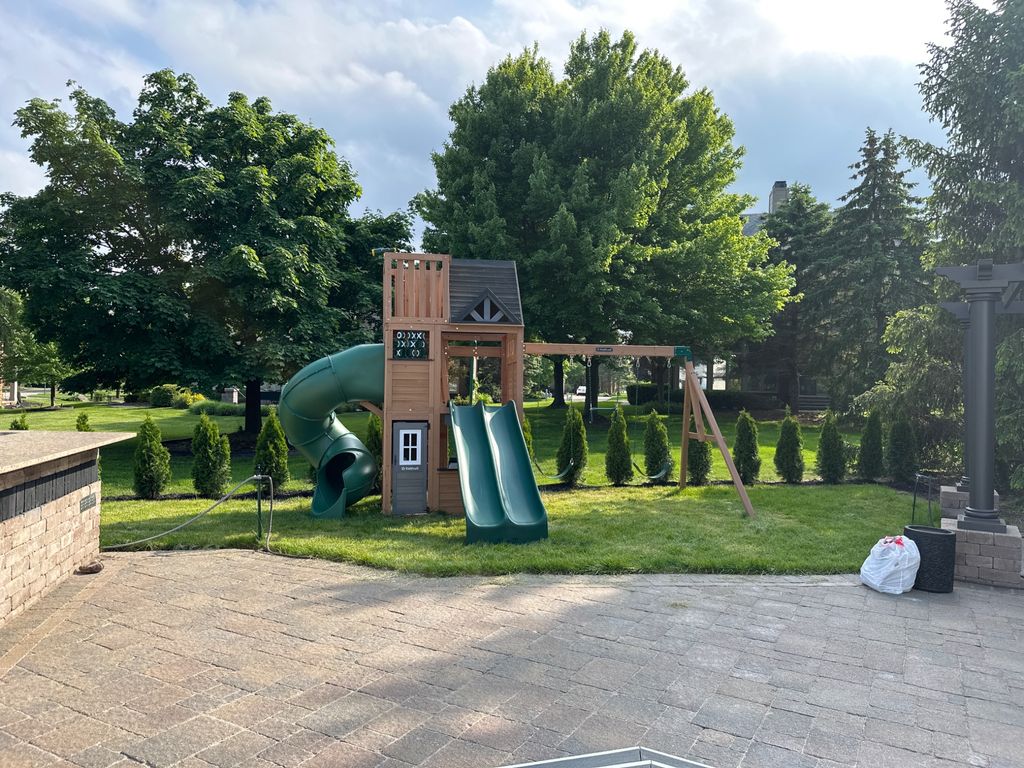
<point x="695" y="402"/>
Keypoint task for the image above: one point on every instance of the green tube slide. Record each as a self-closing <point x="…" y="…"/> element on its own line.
<point x="499" y="491"/>
<point x="345" y="470"/>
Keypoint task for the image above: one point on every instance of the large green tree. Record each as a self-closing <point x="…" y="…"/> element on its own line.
<point x="800" y="228"/>
<point x="873" y="270"/>
<point x="607" y="187"/>
<point x="192" y="243"/>
<point x="973" y="86"/>
<point x="358" y="293"/>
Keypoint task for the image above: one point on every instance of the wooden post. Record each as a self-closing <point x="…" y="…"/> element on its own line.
<point x="720" y="442"/>
<point x="684" y="450"/>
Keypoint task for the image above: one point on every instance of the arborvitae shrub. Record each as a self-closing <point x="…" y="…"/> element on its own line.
<point x="698" y="460"/>
<point x="272" y="451"/>
<point x="20" y="424"/>
<point x="573" y="447"/>
<point x="789" y="451"/>
<point x="528" y="436"/>
<point x="374" y="443"/>
<point x="744" y="450"/>
<point x="618" y="460"/>
<point x="82" y="423"/>
<point x="870" y="461"/>
<point x="152" y="470"/>
<point x="831" y="462"/>
<point x="901" y="457"/>
<point x="656" y="450"/>
<point x="211" y="459"/>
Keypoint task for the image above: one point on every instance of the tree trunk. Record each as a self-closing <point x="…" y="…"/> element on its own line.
<point x="789" y="386"/>
<point x="558" y="387"/>
<point x="253" y="417"/>
<point x="53" y="395"/>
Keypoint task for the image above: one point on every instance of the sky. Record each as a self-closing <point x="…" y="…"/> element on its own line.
<point x="801" y="79"/>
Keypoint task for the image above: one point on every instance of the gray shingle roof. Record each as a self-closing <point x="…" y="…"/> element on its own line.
<point x="471" y="280"/>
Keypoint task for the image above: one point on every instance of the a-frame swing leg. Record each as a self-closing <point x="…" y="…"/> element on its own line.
<point x="705" y="408"/>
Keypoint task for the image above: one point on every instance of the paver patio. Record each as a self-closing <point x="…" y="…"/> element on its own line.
<point x="234" y="658"/>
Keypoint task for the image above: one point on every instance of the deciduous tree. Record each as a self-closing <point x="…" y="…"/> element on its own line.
<point x="192" y="243"/>
<point x="608" y="188"/>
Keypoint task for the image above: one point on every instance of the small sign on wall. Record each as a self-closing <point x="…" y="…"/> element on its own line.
<point x="87" y="503"/>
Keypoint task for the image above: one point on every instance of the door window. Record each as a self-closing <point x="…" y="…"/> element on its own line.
<point x="409" y="447"/>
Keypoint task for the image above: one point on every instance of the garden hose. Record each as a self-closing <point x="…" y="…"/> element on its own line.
<point x="221" y="500"/>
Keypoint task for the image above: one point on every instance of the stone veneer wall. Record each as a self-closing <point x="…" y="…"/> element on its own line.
<point x="49" y="526"/>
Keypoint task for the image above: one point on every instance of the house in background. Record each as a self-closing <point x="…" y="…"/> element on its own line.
<point x="758" y="364"/>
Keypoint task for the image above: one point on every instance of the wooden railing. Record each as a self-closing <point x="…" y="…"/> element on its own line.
<point x="416" y="286"/>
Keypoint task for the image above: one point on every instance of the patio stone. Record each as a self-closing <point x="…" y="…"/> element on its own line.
<point x="234" y="658"/>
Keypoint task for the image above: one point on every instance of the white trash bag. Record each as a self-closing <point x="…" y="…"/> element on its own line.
<point x="892" y="565"/>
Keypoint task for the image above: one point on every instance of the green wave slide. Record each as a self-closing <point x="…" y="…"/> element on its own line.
<point x="498" y="488"/>
<point x="345" y="470"/>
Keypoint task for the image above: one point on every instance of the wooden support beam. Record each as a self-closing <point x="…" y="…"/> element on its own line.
<point x="367" y="405"/>
<point x="705" y="407"/>
<point x="684" y="448"/>
<point x="624" y="350"/>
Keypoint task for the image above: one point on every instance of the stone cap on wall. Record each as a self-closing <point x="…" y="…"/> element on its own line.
<point x="21" y="449"/>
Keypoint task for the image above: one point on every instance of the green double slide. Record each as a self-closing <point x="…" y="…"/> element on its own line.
<point x="499" y="491"/>
<point x="345" y="470"/>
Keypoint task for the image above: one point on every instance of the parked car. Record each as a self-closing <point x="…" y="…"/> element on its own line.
<point x="581" y="390"/>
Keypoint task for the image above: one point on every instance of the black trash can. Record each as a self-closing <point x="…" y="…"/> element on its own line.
<point x="938" y="557"/>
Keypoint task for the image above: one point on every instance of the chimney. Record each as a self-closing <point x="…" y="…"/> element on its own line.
<point x="778" y="195"/>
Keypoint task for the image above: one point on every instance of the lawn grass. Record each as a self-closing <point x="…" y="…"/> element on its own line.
<point x="174" y="424"/>
<point x="547" y="432"/>
<point x="597" y="529"/>
<point x="798" y="529"/>
<point x="547" y="423"/>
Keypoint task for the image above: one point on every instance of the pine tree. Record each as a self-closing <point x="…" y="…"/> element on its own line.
<point x="272" y="451"/>
<point x="656" y="447"/>
<point x="744" y="450"/>
<point x="618" y="460"/>
<point x="800" y="226"/>
<point x="152" y="470"/>
<point x="528" y="436"/>
<point x="374" y="443"/>
<point x="573" y="448"/>
<point x="971" y="86"/>
<point x="211" y="459"/>
<point x="901" y="457"/>
<point x="789" y="451"/>
<point x="82" y="423"/>
<point x="698" y="460"/>
<point x="831" y="462"/>
<point x="874" y="269"/>
<point x="870" y="458"/>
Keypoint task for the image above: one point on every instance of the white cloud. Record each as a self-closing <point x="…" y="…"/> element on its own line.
<point x="380" y="77"/>
<point x="18" y="174"/>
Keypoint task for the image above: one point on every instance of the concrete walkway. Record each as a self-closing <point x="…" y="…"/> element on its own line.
<point x="235" y="658"/>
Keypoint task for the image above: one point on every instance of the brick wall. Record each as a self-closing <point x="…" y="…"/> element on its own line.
<point x="44" y="531"/>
